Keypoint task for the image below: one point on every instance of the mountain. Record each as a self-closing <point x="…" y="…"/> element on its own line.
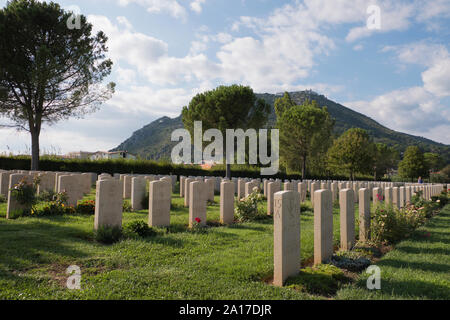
<point x="153" y="140"/>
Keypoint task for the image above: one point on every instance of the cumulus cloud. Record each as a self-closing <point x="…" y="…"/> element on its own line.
<point x="196" y="5"/>
<point x="413" y="110"/>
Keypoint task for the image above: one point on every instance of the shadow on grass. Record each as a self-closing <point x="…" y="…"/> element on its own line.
<point x="37" y="242"/>
<point x="422" y="266"/>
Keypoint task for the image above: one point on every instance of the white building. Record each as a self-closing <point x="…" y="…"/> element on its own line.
<point x="100" y="155"/>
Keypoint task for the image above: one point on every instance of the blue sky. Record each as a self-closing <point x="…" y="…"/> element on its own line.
<point x="166" y="51"/>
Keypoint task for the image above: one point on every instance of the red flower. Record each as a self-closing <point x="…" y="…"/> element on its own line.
<point x="198" y="220"/>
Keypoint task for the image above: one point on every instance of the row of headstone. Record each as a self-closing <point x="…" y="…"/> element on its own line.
<point x="287" y="226"/>
<point x="75" y="185"/>
<point x="109" y="200"/>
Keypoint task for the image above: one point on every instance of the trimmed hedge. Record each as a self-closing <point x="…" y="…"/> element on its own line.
<point x="143" y="167"/>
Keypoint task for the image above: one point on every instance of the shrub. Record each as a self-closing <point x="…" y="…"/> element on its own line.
<point x="247" y="209"/>
<point x="354" y="260"/>
<point x="47" y="196"/>
<point x="25" y="194"/>
<point x="108" y="235"/>
<point x="391" y="225"/>
<point x="86" y="207"/>
<point x="127" y="206"/>
<point x="136" y="229"/>
<point x="2" y="198"/>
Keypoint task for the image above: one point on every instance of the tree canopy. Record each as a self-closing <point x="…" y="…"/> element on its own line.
<point x="226" y="107"/>
<point x="48" y="71"/>
<point x="413" y="164"/>
<point x="304" y="131"/>
<point x="352" y="152"/>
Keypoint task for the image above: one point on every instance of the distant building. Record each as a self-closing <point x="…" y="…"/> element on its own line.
<point x="101" y="155"/>
<point x="78" y="155"/>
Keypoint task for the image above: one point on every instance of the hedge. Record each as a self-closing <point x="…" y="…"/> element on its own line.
<point x="144" y="167"/>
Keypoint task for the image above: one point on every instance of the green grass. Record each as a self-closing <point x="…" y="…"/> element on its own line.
<point x="418" y="268"/>
<point x="228" y="262"/>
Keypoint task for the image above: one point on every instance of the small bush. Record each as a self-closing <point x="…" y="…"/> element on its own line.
<point x="355" y="261"/>
<point x="25" y="194"/>
<point x="247" y="209"/>
<point x="3" y="199"/>
<point x="55" y="208"/>
<point x="86" y="207"/>
<point x="108" y="235"/>
<point x="136" y="229"/>
<point x="47" y="196"/>
<point x="392" y="225"/>
<point x="127" y="206"/>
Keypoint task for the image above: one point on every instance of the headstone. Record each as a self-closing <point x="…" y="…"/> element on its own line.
<point x="210" y="189"/>
<point x="364" y="214"/>
<point x="323" y="226"/>
<point x="334" y="191"/>
<point x="287" y="186"/>
<point x="272" y="188"/>
<point x="4" y="183"/>
<point x="127" y="186"/>
<point x="138" y="190"/>
<point x="286" y="236"/>
<point x="159" y="204"/>
<point x="302" y="191"/>
<point x="197" y="203"/>
<point x="314" y="187"/>
<point x="46" y="182"/>
<point x="13" y="206"/>
<point x="226" y="202"/>
<point x="347" y="218"/>
<point x="108" y="203"/>
<point x="408" y="195"/>
<point x="396" y="197"/>
<point x="402" y="197"/>
<point x="187" y="182"/>
<point x="241" y="188"/>
<point x="71" y="186"/>
<point x="388" y="196"/>
<point x="376" y="196"/>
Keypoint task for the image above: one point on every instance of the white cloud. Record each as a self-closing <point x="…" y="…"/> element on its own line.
<point x="196" y="5"/>
<point x="435" y="57"/>
<point x="437" y="78"/>
<point x="413" y="110"/>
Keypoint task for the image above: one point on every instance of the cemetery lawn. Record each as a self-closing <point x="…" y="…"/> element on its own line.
<point x="223" y="263"/>
<point x="418" y="268"/>
<point x="231" y="262"/>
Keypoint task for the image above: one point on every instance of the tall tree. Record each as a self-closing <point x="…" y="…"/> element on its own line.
<point x="433" y="161"/>
<point x="352" y="152"/>
<point x="303" y="129"/>
<point x="50" y="68"/>
<point x="226" y="107"/>
<point x="385" y="158"/>
<point x="413" y="164"/>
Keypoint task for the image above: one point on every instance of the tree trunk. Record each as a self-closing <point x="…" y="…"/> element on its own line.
<point x="304" y="168"/>
<point x="34" y="149"/>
